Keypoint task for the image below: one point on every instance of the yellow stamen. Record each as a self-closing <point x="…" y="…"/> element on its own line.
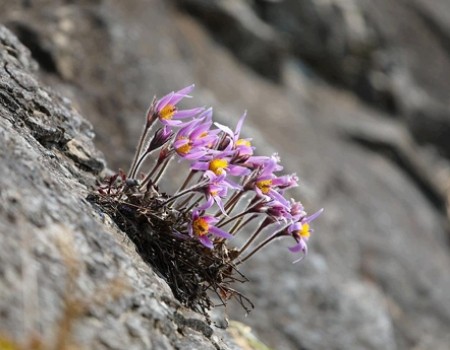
<point x="200" y="227"/>
<point x="167" y="112"/>
<point x="304" y="232"/>
<point x="203" y="134"/>
<point x="217" y="166"/>
<point x="185" y="149"/>
<point x="264" y="185"/>
<point x="242" y="142"/>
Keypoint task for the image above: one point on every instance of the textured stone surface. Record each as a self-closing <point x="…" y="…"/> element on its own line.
<point x="394" y="55"/>
<point x="377" y="274"/>
<point x="48" y="230"/>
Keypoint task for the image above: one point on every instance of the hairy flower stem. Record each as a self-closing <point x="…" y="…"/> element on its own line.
<point x="186" y="191"/>
<point x="140" y="161"/>
<point x="149" y="120"/>
<point x="150" y="174"/>
<point x="185" y="201"/>
<point x="134" y="163"/>
<point x="252" y="205"/>
<point x="263" y="224"/>
<point x="160" y="161"/>
<point x="232" y="201"/>
<point x="259" y="247"/>
<point x="239" y="224"/>
<point x="186" y="182"/>
<point x="162" y="170"/>
<point x="193" y="205"/>
<point x="245" y="212"/>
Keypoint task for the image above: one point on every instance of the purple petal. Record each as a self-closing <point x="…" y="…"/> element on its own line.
<point x="313" y="216"/>
<point x="236" y="170"/>
<point x="295" y="227"/>
<point x="171" y="122"/>
<point x="239" y="124"/>
<point x="234" y="185"/>
<point x="190" y="231"/>
<point x="220" y="233"/>
<point x="225" y="129"/>
<point x="206" y="242"/>
<point x="186" y="91"/>
<point x="180" y="143"/>
<point x="199" y="130"/>
<point x="210" y="175"/>
<point x="186" y="113"/>
<point x="220" y="205"/>
<point x="210" y="219"/>
<point x="180" y="94"/>
<point x="183" y="124"/>
<point x="300" y="259"/>
<point x="164" y="101"/>
<point x="299" y="247"/>
<point x="279" y="198"/>
<point x="257" y="160"/>
<point x="208" y="204"/>
<point x="200" y="166"/>
<point x="194" y="155"/>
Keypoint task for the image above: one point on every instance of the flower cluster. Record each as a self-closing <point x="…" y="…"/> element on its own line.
<point x="227" y="188"/>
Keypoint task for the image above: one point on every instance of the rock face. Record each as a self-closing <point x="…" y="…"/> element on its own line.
<point x="393" y="55"/>
<point x="63" y="263"/>
<point x="377" y="273"/>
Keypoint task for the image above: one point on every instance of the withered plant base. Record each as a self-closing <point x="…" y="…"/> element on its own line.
<point x="191" y="270"/>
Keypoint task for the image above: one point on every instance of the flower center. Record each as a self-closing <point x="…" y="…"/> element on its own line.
<point x="264" y="185"/>
<point x="185" y="149"/>
<point x="200" y="227"/>
<point x="167" y="112"/>
<point x="242" y="142"/>
<point x="217" y="166"/>
<point x="304" y="232"/>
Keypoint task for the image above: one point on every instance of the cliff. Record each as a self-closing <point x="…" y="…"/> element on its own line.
<point x="353" y="95"/>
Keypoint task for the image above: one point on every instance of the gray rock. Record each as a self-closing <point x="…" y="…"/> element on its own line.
<point x="379" y="255"/>
<point x="334" y="37"/>
<point x="238" y="27"/>
<point x="66" y="273"/>
<point x="394" y="55"/>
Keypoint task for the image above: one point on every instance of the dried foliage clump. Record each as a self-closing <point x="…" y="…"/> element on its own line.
<point x="190" y="269"/>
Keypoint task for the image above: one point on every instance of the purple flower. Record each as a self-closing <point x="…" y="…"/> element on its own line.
<point x="161" y="136"/>
<point x="297" y="210"/>
<point x="166" y="111"/>
<point x="194" y="139"/>
<point x="242" y="146"/>
<point x="264" y="163"/>
<point x="276" y="210"/>
<point x="216" y="189"/>
<point x="202" y="226"/>
<point x="301" y="232"/>
<point x="285" y="182"/>
<point x="220" y="163"/>
<point x="267" y="184"/>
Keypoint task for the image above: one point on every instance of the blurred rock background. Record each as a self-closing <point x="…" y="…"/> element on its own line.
<point x="354" y="95"/>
